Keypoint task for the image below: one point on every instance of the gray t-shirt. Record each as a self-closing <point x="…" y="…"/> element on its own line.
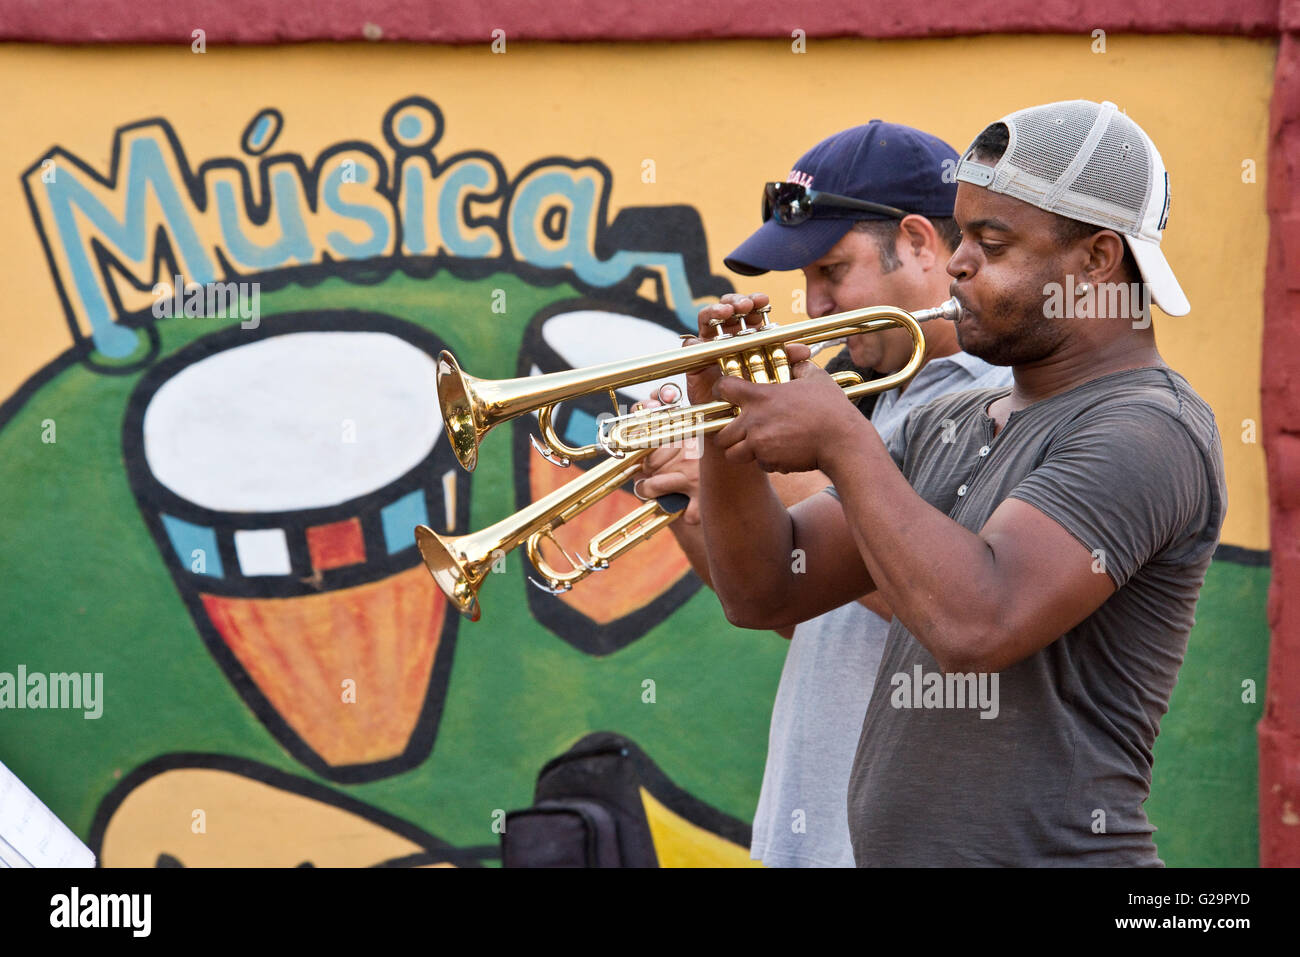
<point x="1130" y="464"/>
<point x="801" y="819"/>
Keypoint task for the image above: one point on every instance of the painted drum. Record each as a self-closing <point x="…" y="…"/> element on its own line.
<point x="283" y="472"/>
<point x="611" y="609"/>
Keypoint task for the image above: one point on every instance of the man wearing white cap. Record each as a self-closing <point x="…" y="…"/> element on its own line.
<point x="1041" y="546"/>
<point x="876" y="230"/>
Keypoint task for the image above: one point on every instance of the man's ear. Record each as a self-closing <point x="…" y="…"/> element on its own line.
<point x="1105" y="262"/>
<point x="919" y="239"/>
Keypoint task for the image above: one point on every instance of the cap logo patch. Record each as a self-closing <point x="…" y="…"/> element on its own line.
<point x="798" y="176"/>
<point x="975" y="173"/>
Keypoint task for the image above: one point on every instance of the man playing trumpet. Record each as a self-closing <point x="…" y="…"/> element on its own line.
<point x="1041" y="547"/>
<point x="877" y="230"/>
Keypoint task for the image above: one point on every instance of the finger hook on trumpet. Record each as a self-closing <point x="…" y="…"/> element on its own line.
<point x="664" y="391"/>
<point x="550" y="590"/>
<point x="545" y="452"/>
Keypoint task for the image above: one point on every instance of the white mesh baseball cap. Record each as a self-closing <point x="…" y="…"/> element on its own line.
<point x="1090" y="162"/>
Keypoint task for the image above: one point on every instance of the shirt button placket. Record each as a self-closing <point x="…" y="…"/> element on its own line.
<point x="983" y="453"/>
<point x="965" y="487"/>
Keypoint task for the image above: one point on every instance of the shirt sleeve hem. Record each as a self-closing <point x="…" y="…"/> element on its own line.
<point x="1059" y="520"/>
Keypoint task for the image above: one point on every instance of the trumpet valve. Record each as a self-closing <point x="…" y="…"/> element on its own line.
<point x="780" y="364"/>
<point x="746" y="329"/>
<point x="756" y="367"/>
<point x="747" y="326"/>
<point x="732" y="365"/>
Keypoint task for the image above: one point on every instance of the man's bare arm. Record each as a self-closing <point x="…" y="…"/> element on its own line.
<point x="976" y="602"/>
<point x="674" y="470"/>
<point x="771" y="566"/>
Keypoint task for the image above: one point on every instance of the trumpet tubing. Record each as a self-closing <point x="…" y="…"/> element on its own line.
<point x="459" y="564"/>
<point x="472" y="407"/>
<point x="656" y="428"/>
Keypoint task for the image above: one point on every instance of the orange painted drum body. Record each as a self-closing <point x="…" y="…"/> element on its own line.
<point x="282" y="473"/>
<point x="385" y="635"/>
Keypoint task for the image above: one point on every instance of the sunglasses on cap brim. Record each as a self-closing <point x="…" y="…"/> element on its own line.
<point x="793" y="203"/>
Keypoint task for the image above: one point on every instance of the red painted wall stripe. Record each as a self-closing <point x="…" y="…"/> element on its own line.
<point x="1279" y="731"/>
<point x="472" y="21"/>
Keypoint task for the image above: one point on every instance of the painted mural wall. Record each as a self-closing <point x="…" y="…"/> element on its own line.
<point x="210" y="496"/>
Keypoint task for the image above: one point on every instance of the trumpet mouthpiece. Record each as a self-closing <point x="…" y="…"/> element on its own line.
<point x="950" y="310"/>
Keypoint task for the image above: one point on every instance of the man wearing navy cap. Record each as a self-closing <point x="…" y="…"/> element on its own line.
<point x="867" y="216"/>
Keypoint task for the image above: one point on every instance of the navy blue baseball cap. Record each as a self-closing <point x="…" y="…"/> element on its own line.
<point x="881" y="163"/>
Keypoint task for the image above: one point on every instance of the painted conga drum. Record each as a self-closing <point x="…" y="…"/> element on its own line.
<point x="283" y="472"/>
<point x="611" y="609"/>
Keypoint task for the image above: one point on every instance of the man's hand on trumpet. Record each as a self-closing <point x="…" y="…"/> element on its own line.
<point x="672" y="469"/>
<point x="676" y="468"/>
<point x="727" y="313"/>
<point x="783" y="431"/>
<point x="789" y="427"/>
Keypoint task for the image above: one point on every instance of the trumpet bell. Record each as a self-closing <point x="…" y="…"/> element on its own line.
<point x="448" y="571"/>
<point x="460" y="414"/>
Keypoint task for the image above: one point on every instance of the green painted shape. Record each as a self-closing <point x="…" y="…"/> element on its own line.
<point x="1205" y="782"/>
<point x="83" y="587"/>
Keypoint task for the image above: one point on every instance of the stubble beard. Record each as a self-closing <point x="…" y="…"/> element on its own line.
<point x="1025" y="334"/>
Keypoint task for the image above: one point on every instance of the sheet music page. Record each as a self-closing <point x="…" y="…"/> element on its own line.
<point x="30" y="834"/>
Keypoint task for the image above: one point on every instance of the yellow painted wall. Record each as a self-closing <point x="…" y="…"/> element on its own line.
<point x="717" y="118"/>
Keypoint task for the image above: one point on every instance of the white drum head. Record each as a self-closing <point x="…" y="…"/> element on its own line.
<point x="591" y="337"/>
<point x="297" y="421"/>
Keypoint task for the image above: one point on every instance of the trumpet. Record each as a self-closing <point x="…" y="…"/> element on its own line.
<point x="459" y="564"/>
<point x="472" y="407"/>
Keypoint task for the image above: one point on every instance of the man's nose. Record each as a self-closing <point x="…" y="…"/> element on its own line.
<point x="962" y="264"/>
<point x="819" y="304"/>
